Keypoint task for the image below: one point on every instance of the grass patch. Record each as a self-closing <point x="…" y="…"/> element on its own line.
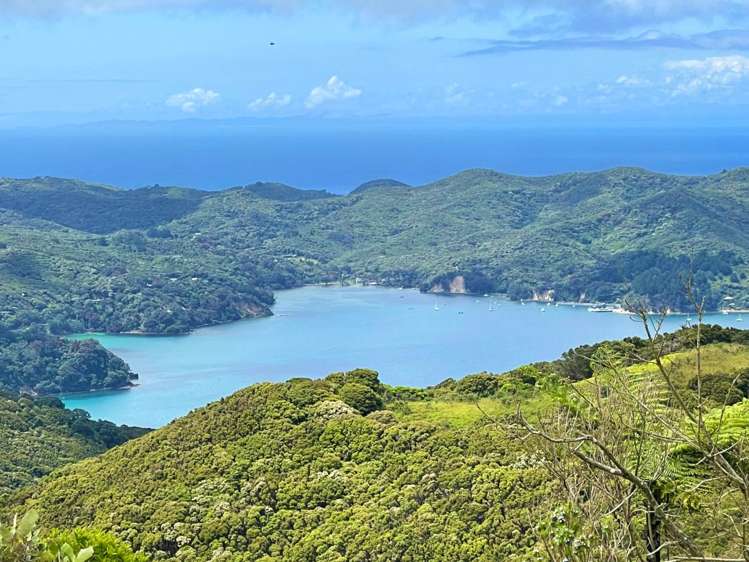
<point x="463" y="413"/>
<point x="719" y="358"/>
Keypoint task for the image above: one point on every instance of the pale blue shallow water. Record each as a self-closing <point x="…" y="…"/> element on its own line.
<point x="318" y="330"/>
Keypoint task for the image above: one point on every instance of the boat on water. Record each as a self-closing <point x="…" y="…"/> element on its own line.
<point x="601" y="308"/>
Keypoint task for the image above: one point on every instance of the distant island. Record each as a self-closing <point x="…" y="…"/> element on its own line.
<point x="77" y="257"/>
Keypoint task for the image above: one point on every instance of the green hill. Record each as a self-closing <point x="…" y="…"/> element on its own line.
<point x="596" y="237"/>
<point x="39" y="435"/>
<point x="76" y="257"/>
<point x="377" y="184"/>
<point x="96" y="208"/>
<point x="292" y="472"/>
<point x="599" y="236"/>
<point x="281" y="192"/>
<point x="347" y="469"/>
<point x="37" y="363"/>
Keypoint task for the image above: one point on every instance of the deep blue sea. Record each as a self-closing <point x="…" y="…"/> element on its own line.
<point x="411" y="338"/>
<point x="340" y="156"/>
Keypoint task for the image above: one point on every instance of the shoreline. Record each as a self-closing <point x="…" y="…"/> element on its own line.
<point x="615" y="308"/>
<point x="392" y="306"/>
<point x="63" y="395"/>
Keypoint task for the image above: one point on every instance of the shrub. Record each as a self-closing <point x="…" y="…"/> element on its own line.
<point x="22" y="541"/>
<point x="104" y="547"/>
<point x="361" y="397"/>
<point x="481" y="384"/>
<point x="365" y="377"/>
<point x="719" y="387"/>
<point x="19" y="541"/>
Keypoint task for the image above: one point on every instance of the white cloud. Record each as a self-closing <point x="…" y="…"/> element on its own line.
<point x="455" y="95"/>
<point x="191" y="101"/>
<point x="560" y="100"/>
<point x="631" y="80"/>
<point x="692" y="76"/>
<point x="271" y="101"/>
<point x="333" y="90"/>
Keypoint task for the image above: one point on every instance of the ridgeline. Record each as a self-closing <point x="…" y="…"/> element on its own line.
<point x="77" y="257"/>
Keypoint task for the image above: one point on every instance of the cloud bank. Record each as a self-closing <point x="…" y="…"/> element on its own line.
<point x="733" y="39"/>
<point x="694" y="76"/>
<point x="581" y="15"/>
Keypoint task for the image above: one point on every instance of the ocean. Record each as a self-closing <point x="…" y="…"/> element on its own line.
<point x="339" y="156"/>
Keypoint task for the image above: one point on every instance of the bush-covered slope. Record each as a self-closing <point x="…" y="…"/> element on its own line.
<point x="282" y="192"/>
<point x="95" y="208"/>
<point x="39" y="435"/>
<point x="347" y="469"/>
<point x="593" y="236"/>
<point x="43" y="364"/>
<point x="597" y="236"/>
<point x="292" y="472"/>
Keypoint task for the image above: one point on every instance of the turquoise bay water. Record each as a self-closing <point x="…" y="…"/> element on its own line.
<point x="410" y="338"/>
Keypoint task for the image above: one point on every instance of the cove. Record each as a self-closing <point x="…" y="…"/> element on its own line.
<point x="411" y="338"/>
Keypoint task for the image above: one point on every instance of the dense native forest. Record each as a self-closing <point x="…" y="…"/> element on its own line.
<point x="488" y="467"/>
<point x="76" y="257"/>
<point x="40" y="434"/>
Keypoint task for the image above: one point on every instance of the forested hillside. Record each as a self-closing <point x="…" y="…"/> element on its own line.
<point x="37" y="363"/>
<point x="76" y="257"/>
<point x="294" y="472"/>
<point x="348" y="469"/>
<point x="39" y="435"/>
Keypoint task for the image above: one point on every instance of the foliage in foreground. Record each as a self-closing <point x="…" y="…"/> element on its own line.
<point x="652" y="458"/>
<point x="22" y="541"/>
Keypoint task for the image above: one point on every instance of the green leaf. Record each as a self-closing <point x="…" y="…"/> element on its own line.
<point x="27" y="524"/>
<point x="85" y="554"/>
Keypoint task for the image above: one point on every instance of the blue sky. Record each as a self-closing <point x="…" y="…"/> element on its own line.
<point x="72" y="61"/>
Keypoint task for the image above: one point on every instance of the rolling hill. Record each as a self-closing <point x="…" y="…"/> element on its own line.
<point x="77" y="257"/>
<point x="40" y="435"/>
<point x="347" y="469"/>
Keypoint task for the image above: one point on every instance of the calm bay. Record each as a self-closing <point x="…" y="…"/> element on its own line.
<point x="411" y="338"/>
